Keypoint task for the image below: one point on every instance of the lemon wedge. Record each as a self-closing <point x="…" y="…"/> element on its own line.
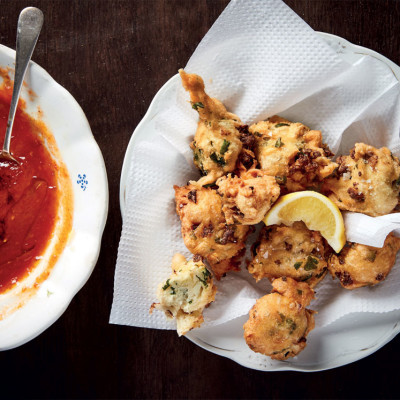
<point x="315" y="210"/>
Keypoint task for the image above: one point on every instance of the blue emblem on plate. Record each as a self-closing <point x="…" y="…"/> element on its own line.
<point x="82" y="181"/>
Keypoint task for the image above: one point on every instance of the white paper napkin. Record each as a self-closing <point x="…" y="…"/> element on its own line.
<point x="259" y="59"/>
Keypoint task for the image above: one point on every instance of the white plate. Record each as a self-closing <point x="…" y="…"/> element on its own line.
<point x="346" y="340"/>
<point x="79" y="151"/>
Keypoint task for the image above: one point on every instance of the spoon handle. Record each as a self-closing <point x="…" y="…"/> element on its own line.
<point x="30" y="23"/>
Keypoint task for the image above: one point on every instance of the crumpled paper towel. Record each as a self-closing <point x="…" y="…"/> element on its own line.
<point x="259" y="59"/>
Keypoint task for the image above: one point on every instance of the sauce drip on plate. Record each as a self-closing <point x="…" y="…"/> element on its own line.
<point x="29" y="197"/>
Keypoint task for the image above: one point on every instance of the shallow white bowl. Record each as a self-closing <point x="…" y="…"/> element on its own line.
<point x="79" y="151"/>
<point x="346" y="340"/>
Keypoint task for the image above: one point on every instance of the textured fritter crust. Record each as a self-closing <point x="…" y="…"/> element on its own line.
<point x="291" y="251"/>
<point x="292" y="153"/>
<point x="367" y="181"/>
<point x="246" y="199"/>
<point x="358" y="265"/>
<point x="205" y="230"/>
<point x="186" y="293"/>
<point x="279" y="323"/>
<point x="216" y="145"/>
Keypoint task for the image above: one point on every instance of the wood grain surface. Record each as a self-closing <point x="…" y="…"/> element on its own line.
<point x="113" y="56"/>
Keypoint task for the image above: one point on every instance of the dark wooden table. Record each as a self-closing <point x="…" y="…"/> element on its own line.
<point x="113" y="56"/>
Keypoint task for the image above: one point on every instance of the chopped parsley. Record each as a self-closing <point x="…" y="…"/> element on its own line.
<point x="166" y="286"/>
<point x="173" y="290"/>
<point x="299" y="292"/>
<point x="190" y="301"/>
<point x="258" y="134"/>
<point x="281" y="180"/>
<point x="225" y="146"/>
<point x="279" y="143"/>
<point x="217" y="159"/>
<point x="311" y="263"/>
<point x="206" y="274"/>
<point x="291" y="325"/>
<point x="306" y="277"/>
<point x="397" y="182"/>
<point x="208" y="185"/>
<point x="197" y="105"/>
<point x="281" y="124"/>
<point x="297" y="265"/>
<point x="371" y="256"/>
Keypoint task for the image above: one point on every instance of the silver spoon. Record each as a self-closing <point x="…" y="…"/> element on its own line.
<point x="30" y="23"/>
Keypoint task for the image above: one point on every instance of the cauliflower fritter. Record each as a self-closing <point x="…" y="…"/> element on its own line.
<point x="279" y="323"/>
<point x="367" y="181"/>
<point x="246" y="199"/>
<point x="292" y="153"/>
<point x="216" y="145"/>
<point x="185" y="293"/>
<point x="205" y="231"/>
<point x="291" y="251"/>
<point x="358" y="265"/>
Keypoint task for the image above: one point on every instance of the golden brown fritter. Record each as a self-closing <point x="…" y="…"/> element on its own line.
<point x="279" y="323"/>
<point x="205" y="230"/>
<point x="292" y="153"/>
<point x="358" y="265"/>
<point x="246" y="199"/>
<point x="186" y="293"/>
<point x="291" y="251"/>
<point x="367" y="181"/>
<point x="216" y="145"/>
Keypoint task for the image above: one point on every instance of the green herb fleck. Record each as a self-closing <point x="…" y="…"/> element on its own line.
<point x="306" y="277"/>
<point x="299" y="292"/>
<point x="217" y="159"/>
<point x="258" y="134"/>
<point x="291" y="325"/>
<point x="224" y="147"/>
<point x="281" y="124"/>
<point x="310" y="264"/>
<point x="397" y="182"/>
<point x="321" y="273"/>
<point x="204" y="280"/>
<point x="197" y="105"/>
<point x="49" y="293"/>
<point x="371" y="256"/>
<point x="281" y="180"/>
<point x="297" y="265"/>
<point x="279" y="143"/>
<point x="190" y="301"/>
<point x="208" y="185"/>
<point x="173" y="290"/>
<point x="166" y="286"/>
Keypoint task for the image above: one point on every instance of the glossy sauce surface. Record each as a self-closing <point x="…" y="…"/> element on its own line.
<point x="29" y="197"/>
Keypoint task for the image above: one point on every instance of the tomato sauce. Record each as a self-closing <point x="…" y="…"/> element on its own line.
<point x="29" y="196"/>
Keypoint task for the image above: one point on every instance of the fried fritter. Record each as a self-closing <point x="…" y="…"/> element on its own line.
<point x="279" y="323"/>
<point x="246" y="199"/>
<point x="292" y="153"/>
<point x="205" y="230"/>
<point x="186" y="293"/>
<point x="291" y="251"/>
<point x="358" y="265"/>
<point x="367" y="181"/>
<point x="216" y="145"/>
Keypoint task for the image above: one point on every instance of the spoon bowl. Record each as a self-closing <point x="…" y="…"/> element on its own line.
<point x="30" y="23"/>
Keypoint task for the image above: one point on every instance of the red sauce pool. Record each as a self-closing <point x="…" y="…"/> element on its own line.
<point x="29" y="197"/>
